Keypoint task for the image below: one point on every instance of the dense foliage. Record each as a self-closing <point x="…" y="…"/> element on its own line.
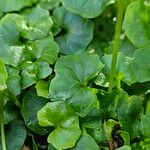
<point x="75" y="74"/>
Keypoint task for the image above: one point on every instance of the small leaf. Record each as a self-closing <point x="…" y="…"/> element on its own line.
<point x="42" y="88"/>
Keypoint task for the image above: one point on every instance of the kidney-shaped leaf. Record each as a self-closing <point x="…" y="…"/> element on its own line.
<point x="86" y="8"/>
<point x="145" y="122"/>
<point x="3" y="75"/>
<point x="76" y="32"/>
<point x="136" y="23"/>
<point x="70" y="83"/>
<point x="14" y="5"/>
<point x="38" y="23"/>
<point x="10" y="50"/>
<point x="54" y="114"/>
<point x="64" y="138"/>
<point x="141" y="64"/>
<point x="59" y="115"/>
<point x="86" y="142"/>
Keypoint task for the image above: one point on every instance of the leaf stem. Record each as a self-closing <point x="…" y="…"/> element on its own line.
<point x="2" y="121"/>
<point x="116" y="42"/>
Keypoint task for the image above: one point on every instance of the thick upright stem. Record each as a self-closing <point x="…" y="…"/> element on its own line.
<point x="2" y="121"/>
<point x="116" y="42"/>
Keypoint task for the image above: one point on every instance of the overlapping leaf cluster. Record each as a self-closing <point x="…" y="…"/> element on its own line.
<point x="55" y="62"/>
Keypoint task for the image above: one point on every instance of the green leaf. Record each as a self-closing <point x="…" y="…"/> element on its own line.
<point x="15" y="135"/>
<point x="3" y="75"/>
<point x="37" y="23"/>
<point x="49" y="4"/>
<point x="14" y="5"/>
<point x="13" y="82"/>
<point x="44" y="50"/>
<point x="42" y="88"/>
<point x="123" y="68"/>
<point x="10" y="112"/>
<point x="76" y="32"/>
<point x="130" y="112"/>
<point x="136" y="23"/>
<point x="64" y="138"/>
<point x="140" y="64"/>
<point x="124" y="148"/>
<point x="34" y="72"/>
<point x="93" y="119"/>
<point x="87" y="8"/>
<point x="125" y="136"/>
<point x="54" y="114"/>
<point x="31" y="105"/>
<point x="59" y="115"/>
<point x="10" y="51"/>
<point x="86" y="142"/>
<point x="145" y="122"/>
<point x="70" y="84"/>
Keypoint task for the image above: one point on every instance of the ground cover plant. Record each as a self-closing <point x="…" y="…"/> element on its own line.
<point x="74" y="74"/>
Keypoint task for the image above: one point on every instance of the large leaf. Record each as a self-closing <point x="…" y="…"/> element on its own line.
<point x="86" y="8"/>
<point x="141" y="64"/>
<point x="31" y="105"/>
<point x="71" y="82"/>
<point x="136" y="23"/>
<point x="14" y="5"/>
<point x="10" y="50"/>
<point x="76" y="32"/>
<point x="37" y="25"/>
<point x="15" y="135"/>
<point x="86" y="142"/>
